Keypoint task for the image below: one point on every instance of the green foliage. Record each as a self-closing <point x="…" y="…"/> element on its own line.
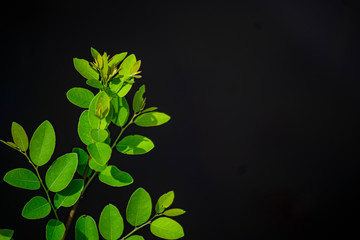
<point x="164" y="201"/>
<point x="135" y="145"/>
<point x="38" y="207"/>
<point x="55" y="229"/>
<point x="135" y="237"/>
<point x="114" y="177"/>
<point x="138" y="210"/>
<point x="84" y="128"/>
<point x="121" y="111"/>
<point x="19" y="136"/>
<point x="100" y="152"/>
<point x="69" y="196"/>
<point x="139" y="101"/>
<point x="99" y="135"/>
<point x="80" y="97"/>
<point x="83" y="159"/>
<point x="152" y="119"/>
<point x="166" y="228"/>
<point x="174" y="212"/>
<point x="6" y="234"/>
<point x="83" y="67"/>
<point x="111" y="223"/>
<point x="85" y="229"/>
<point x="22" y="178"/>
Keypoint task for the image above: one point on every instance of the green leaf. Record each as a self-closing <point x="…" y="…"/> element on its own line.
<point x="115" y="84"/>
<point x="111" y="223"/>
<point x="61" y="171"/>
<point x="22" y="178"/>
<point x="95" y="166"/>
<point x="10" y="144"/>
<point x="166" y="228"/>
<point x="42" y="144"/>
<point x="125" y="88"/>
<point x="94" y="53"/>
<point x="126" y="65"/>
<point x="164" y="201"/>
<point x="6" y="234"/>
<point x="138" y="210"/>
<point x="38" y="207"/>
<point x="102" y="105"/>
<point x="117" y="58"/>
<point x="152" y="119"/>
<point x="80" y="97"/>
<point x="55" y="230"/>
<point x="114" y="177"/>
<point x="94" y="121"/>
<point x="150" y="109"/>
<point x="99" y="135"/>
<point x="84" y="68"/>
<point x="138" y="101"/>
<point x="94" y="83"/>
<point x="85" y="229"/>
<point x="69" y="196"/>
<point x="84" y="128"/>
<point x="100" y="152"/>
<point x="121" y="111"/>
<point x="135" y="67"/>
<point x="174" y="212"/>
<point x="135" y="237"/>
<point x="105" y="65"/>
<point x="83" y="159"/>
<point x="134" y="145"/>
<point x="110" y="93"/>
<point x="19" y="136"/>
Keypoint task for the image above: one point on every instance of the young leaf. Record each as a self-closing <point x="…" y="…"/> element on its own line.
<point x="69" y="196"/>
<point x="22" y="178"/>
<point x="138" y="99"/>
<point x="125" y="66"/>
<point x="94" y="83"/>
<point x="99" y="135"/>
<point x="19" y="136"/>
<point x="84" y="128"/>
<point x="94" y="53"/>
<point x="105" y="65"/>
<point x="150" y="109"/>
<point x="94" y="121"/>
<point x="6" y="234"/>
<point x="174" y="212"/>
<point x="134" y="69"/>
<point x="134" y="145"/>
<point x="115" y="84"/>
<point x="152" y="119"/>
<point x="166" y="228"/>
<point x="138" y="210"/>
<point x="80" y="97"/>
<point x="109" y="92"/>
<point x="10" y="144"/>
<point x="55" y="230"/>
<point x="135" y="237"/>
<point x="83" y="67"/>
<point x="121" y="111"/>
<point x="100" y="152"/>
<point x="83" y="159"/>
<point x="42" y="144"/>
<point x="96" y="167"/>
<point x="111" y="223"/>
<point x="164" y="201"/>
<point x="116" y="59"/>
<point x="61" y="171"/>
<point x="38" y="207"/>
<point x="114" y="177"/>
<point x="85" y="229"/>
<point x="102" y="105"/>
<point x="125" y="88"/>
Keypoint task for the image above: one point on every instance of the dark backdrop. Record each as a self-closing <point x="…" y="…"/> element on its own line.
<point x="264" y="98"/>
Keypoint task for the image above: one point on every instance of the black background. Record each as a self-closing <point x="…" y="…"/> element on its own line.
<point x="264" y="98"/>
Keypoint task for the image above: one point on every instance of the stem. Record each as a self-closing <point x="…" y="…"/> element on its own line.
<point x="42" y="184"/>
<point x="139" y="227"/>
<point x="123" y="129"/>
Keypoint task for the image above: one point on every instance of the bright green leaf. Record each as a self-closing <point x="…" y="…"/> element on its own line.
<point x="69" y="196"/>
<point x="164" y="201"/>
<point x="174" y="212"/>
<point x="150" y="109"/>
<point x="110" y="93"/>
<point x="19" y="136"/>
<point x="38" y="207"/>
<point x="135" y="237"/>
<point x="102" y="105"/>
<point x="94" y="53"/>
<point x="152" y="119"/>
<point x="42" y="144"/>
<point x="95" y="166"/>
<point x="115" y="84"/>
<point x="6" y="234"/>
<point x="99" y="135"/>
<point x="84" y="128"/>
<point x="55" y="230"/>
<point x="114" y="177"/>
<point x="94" y="83"/>
<point x="105" y="65"/>
<point x="125" y="88"/>
<point x="83" y="159"/>
<point x="61" y="171"/>
<point x="94" y="121"/>
<point x="138" y="100"/>
<point x="22" y="178"/>
<point x="111" y="223"/>
<point x="134" y="145"/>
<point x="10" y="144"/>
<point x="126" y="65"/>
<point x="84" y="68"/>
<point x="85" y="229"/>
<point x="80" y="97"/>
<point x="138" y="210"/>
<point x="117" y="58"/>
<point x="135" y="68"/>
<point x="166" y="228"/>
<point x="121" y="111"/>
<point x="100" y="152"/>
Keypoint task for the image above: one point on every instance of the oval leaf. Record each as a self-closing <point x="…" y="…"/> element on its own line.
<point x="134" y="145"/>
<point x="114" y="177"/>
<point x="138" y="99"/>
<point x="174" y="212"/>
<point x="111" y="223"/>
<point x="135" y="237"/>
<point x="116" y="59"/>
<point x="83" y="67"/>
<point x="99" y="135"/>
<point x="164" y="201"/>
<point x="6" y="234"/>
<point x="138" y="210"/>
<point x="85" y="229"/>
<point x="152" y="119"/>
<point x="102" y="105"/>
<point x="125" y="88"/>
<point x="61" y="171"/>
<point x="166" y="228"/>
<point x="94" y="120"/>
<point x="95" y="166"/>
<point x="83" y="159"/>
<point x="38" y="207"/>
<point x="22" y="178"/>
<point x="100" y="152"/>
<point x="84" y="128"/>
<point x="69" y="196"/>
<point x="94" y="83"/>
<point x="42" y="144"/>
<point x="80" y="97"/>
<point x="121" y="111"/>
<point x="19" y="136"/>
<point x="55" y="230"/>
